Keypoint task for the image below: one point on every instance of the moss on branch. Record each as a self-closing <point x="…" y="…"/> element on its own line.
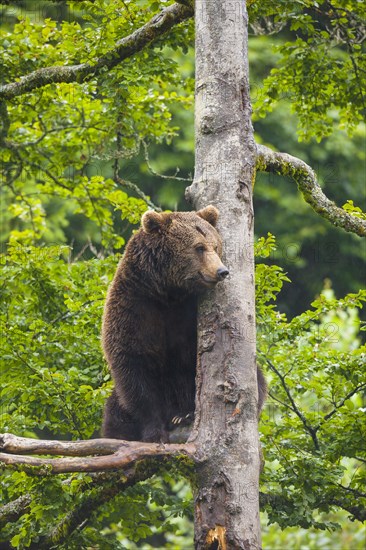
<point x="124" y="48"/>
<point x="12" y="511"/>
<point x="287" y="165"/>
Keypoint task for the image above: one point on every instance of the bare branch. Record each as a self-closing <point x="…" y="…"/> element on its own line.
<point x="133" y="458"/>
<point x="13" y="444"/>
<point x="287" y="165"/>
<point x="163" y="176"/>
<point x="294" y="407"/>
<point x="125" y="454"/>
<point x="124" y="48"/>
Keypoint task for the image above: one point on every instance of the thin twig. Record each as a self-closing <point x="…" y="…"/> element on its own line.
<point x="340" y="404"/>
<point x="172" y="177"/>
<point x="295" y="408"/>
<point x="135" y="188"/>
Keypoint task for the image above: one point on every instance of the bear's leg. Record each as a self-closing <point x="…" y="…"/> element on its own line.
<point x="141" y="393"/>
<point x="117" y="423"/>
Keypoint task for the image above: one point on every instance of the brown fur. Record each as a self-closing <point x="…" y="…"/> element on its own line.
<point x="149" y="325"/>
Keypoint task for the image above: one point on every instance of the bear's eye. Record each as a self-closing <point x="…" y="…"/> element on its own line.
<point x="200" y="249"/>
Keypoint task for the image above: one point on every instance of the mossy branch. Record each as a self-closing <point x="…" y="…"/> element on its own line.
<point x="136" y="189"/>
<point x="149" y="459"/>
<point x="124" y="48"/>
<point x="287" y="165"/>
<point x="12" y="511"/>
<point x="130" y="461"/>
<point x="111" y="454"/>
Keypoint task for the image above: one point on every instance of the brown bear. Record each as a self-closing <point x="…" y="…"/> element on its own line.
<point x="150" y="322"/>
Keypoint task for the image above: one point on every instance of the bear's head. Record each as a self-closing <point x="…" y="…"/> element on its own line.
<point x="185" y="248"/>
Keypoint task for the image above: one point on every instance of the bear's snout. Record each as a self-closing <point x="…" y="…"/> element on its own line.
<point x="222" y="273"/>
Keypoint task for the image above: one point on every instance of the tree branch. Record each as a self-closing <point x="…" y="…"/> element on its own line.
<point x="137" y="460"/>
<point x="124" y="48"/>
<point x="12" y="511"/>
<point x="14" y="145"/>
<point x="287" y="165"/>
<point x="133" y="187"/>
<point x="163" y="176"/>
<point x="340" y="404"/>
<point x="113" y="454"/>
<point x="356" y="510"/>
<point x="13" y="444"/>
<point x="311" y="431"/>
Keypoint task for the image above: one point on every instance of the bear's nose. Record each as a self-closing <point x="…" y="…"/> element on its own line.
<point x="222" y="272"/>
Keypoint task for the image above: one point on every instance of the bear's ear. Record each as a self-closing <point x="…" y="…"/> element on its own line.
<point x="210" y="214"/>
<point x="154" y="221"/>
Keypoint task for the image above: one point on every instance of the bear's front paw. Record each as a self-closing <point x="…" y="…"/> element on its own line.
<point x="181" y="420"/>
<point x="155" y="435"/>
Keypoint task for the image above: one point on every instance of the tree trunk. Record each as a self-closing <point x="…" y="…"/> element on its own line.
<point x="226" y="427"/>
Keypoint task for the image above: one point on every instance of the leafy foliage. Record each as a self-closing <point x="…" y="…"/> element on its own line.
<point x="66" y="155"/>
<point x="64" y="145"/>
<point x="309" y="248"/>
<point x="54" y="385"/>
<point x="321" y="69"/>
<point x="52" y="311"/>
<point x="313" y="428"/>
<point x="354" y="210"/>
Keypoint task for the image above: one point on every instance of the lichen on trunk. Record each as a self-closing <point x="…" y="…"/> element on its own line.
<point x="226" y="426"/>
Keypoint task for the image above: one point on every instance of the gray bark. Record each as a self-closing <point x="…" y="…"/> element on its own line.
<point x="111" y="454"/>
<point x="226" y="427"/>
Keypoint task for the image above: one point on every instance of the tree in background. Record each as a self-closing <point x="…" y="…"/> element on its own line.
<point x="58" y="144"/>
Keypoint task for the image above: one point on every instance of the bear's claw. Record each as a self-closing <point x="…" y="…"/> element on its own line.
<point x="178" y="420"/>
